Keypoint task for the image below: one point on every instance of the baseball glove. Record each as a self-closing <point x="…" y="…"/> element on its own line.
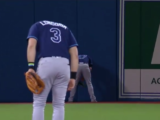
<point x="34" y="83"/>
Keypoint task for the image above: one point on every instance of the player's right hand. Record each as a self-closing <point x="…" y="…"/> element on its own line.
<point x="90" y="68"/>
<point x="71" y="84"/>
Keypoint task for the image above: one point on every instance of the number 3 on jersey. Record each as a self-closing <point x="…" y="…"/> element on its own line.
<point x="56" y="38"/>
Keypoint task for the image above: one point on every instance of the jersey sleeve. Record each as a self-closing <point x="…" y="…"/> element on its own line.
<point x="90" y="62"/>
<point x="72" y="41"/>
<point x="33" y="32"/>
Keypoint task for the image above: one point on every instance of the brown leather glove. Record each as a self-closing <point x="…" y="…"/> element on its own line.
<point x="34" y="83"/>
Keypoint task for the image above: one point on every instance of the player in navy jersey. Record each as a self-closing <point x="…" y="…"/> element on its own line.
<point x="55" y="45"/>
<point x="84" y="70"/>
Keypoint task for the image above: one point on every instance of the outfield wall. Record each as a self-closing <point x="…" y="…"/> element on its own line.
<point x="99" y="27"/>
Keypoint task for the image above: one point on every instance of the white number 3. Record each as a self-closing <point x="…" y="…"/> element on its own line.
<point x="56" y="35"/>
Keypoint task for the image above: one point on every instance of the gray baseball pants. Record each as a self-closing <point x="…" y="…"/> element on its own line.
<point x="55" y="72"/>
<point x="83" y="70"/>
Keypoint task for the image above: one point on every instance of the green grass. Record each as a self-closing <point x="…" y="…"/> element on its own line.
<point x="86" y="112"/>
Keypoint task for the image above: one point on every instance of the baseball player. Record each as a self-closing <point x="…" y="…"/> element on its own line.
<point x="54" y="43"/>
<point x="84" y="69"/>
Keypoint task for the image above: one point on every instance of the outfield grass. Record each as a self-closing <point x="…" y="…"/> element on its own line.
<point x="86" y="111"/>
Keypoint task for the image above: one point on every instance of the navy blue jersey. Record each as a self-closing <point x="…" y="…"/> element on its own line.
<point x="85" y="59"/>
<point x="53" y="39"/>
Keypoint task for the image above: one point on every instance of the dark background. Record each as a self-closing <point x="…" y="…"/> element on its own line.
<point x="95" y="26"/>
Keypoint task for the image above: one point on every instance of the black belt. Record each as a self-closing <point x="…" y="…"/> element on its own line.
<point x="53" y="56"/>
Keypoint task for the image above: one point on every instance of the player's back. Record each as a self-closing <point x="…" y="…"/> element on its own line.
<point x="83" y="58"/>
<point x="54" y="39"/>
